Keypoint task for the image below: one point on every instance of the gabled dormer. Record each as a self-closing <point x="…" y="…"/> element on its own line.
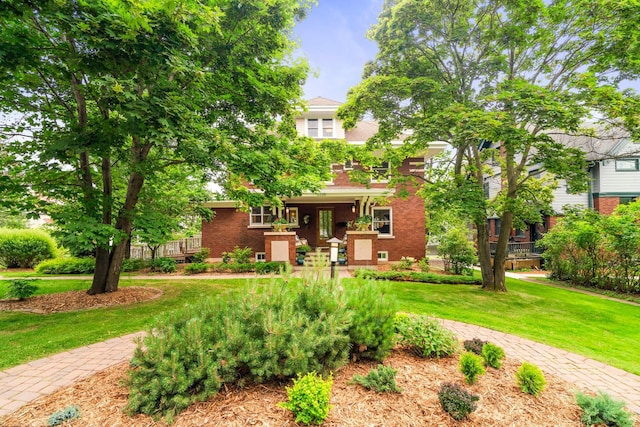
<point x="319" y="120"/>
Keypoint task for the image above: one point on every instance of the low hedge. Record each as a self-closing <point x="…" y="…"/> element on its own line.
<point x="417" y="276"/>
<point x="24" y="248"/>
<point x="67" y="266"/>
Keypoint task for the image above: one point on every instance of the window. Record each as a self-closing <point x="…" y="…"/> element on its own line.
<point x="485" y="188"/>
<point x="627" y="165"/>
<point x="627" y="200"/>
<point x="497" y="224"/>
<point x="380" y="173"/>
<point x="348" y="165"/>
<point x="320" y="128"/>
<point x="521" y="233"/>
<point x="382" y="221"/>
<point x="262" y="215"/>
<point x="261" y="256"/>
<point x="383" y="256"/>
<point x="292" y="215"/>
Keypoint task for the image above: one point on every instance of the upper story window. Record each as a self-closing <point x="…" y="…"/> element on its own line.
<point x="380" y="173"/>
<point x="627" y="164"/>
<point x="382" y="221"/>
<point x="262" y="215"/>
<point x="348" y="165"/>
<point x="320" y="128"/>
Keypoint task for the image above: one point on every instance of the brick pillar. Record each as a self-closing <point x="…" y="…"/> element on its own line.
<point x="280" y="246"/>
<point x="362" y="248"/>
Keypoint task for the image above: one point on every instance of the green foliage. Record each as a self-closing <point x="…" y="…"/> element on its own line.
<point x="196" y="268"/>
<point x="530" y="379"/>
<point x="415" y="276"/>
<point x="237" y="256"/>
<point x="382" y="380"/>
<point x="201" y="256"/>
<point x="269" y="267"/>
<point x="134" y="264"/>
<point x="372" y="331"/>
<point x="423" y="265"/>
<point x="493" y="355"/>
<point x="426" y="336"/>
<point x="264" y="332"/>
<point x="474" y="345"/>
<point x="21" y="289"/>
<point x="25" y="248"/>
<point x="60" y="417"/>
<point x="457" y="251"/>
<point x="471" y="366"/>
<point x="456" y="401"/>
<point x="164" y="265"/>
<point x="309" y="398"/>
<point x="67" y="266"/>
<point x="603" y="410"/>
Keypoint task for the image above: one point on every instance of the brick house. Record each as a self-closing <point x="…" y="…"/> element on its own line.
<point x="397" y="227"/>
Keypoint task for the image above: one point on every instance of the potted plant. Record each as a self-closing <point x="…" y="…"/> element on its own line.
<point x="280" y="224"/>
<point x="362" y="223"/>
<point x="303" y="249"/>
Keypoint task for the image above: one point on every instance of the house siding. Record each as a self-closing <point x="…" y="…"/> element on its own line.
<point x="561" y="198"/>
<point x="613" y="181"/>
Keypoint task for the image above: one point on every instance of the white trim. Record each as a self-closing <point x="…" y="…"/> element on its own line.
<point x="385" y="255"/>
<point x="261" y="257"/>
<point x="373" y="220"/>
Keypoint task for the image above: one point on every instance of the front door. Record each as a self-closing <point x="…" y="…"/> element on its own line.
<point x="325" y="226"/>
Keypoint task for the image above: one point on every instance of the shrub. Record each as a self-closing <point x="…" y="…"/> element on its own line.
<point x="423" y="265"/>
<point x="530" y="379"/>
<point x="237" y="256"/>
<point x="67" y="266"/>
<point x="426" y="337"/>
<point x="195" y="268"/>
<point x="456" y="401"/>
<point x="493" y="355"/>
<point x="201" y="256"/>
<point x="68" y="413"/>
<point x="133" y="264"/>
<point x="603" y="410"/>
<point x="416" y="276"/>
<point x="25" y="248"/>
<point x="21" y="289"/>
<point x="372" y="331"/>
<point x="474" y="345"/>
<point x="458" y="253"/>
<point x="240" y="268"/>
<point x="406" y="263"/>
<point x="309" y="398"/>
<point x="269" y="267"/>
<point x="471" y="365"/>
<point x="164" y="265"/>
<point x="381" y="380"/>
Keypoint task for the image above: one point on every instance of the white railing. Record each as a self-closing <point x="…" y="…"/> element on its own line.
<point x="173" y="249"/>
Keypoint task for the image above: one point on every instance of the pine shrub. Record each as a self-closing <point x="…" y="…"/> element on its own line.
<point x="382" y="380"/>
<point x="62" y="416"/>
<point x="309" y="398"/>
<point x="196" y="268"/>
<point x="456" y="401"/>
<point x="21" y="289"/>
<point x="68" y="265"/>
<point x="471" y="366"/>
<point x="426" y="336"/>
<point x="372" y="331"/>
<point x="530" y="379"/>
<point x="474" y="345"/>
<point x="603" y="410"/>
<point x="493" y="355"/>
<point x="25" y="248"/>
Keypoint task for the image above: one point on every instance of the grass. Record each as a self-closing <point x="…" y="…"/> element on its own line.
<point x="598" y="328"/>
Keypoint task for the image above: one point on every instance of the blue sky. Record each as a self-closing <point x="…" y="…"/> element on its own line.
<point x="333" y="40"/>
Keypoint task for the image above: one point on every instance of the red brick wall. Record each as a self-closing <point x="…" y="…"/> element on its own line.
<point x="605" y="205"/>
<point x="229" y="229"/>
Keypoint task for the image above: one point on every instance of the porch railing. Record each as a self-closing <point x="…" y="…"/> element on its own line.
<point x="518" y="249"/>
<point x="179" y="249"/>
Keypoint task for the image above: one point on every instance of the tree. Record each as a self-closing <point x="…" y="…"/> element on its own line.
<point x="501" y="74"/>
<point x="113" y="92"/>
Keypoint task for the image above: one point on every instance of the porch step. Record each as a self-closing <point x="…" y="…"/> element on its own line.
<point x="319" y="258"/>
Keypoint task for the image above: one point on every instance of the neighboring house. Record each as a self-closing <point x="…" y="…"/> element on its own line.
<point x="614" y="172"/>
<point x="397" y="226"/>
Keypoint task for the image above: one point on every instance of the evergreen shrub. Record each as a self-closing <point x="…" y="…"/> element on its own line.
<point x="493" y="355"/>
<point x="67" y="266"/>
<point x="21" y="288"/>
<point x="603" y="410"/>
<point x="24" y="248"/>
<point x="372" y="332"/>
<point x="196" y="268"/>
<point x="530" y="379"/>
<point x="382" y="380"/>
<point x="61" y="417"/>
<point x="309" y="398"/>
<point x="164" y="265"/>
<point x="474" y="345"/>
<point x="456" y="401"/>
<point x="426" y="336"/>
<point x="471" y="366"/>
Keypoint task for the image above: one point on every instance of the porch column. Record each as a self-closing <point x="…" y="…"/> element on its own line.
<point x="362" y="248"/>
<point x="280" y="246"/>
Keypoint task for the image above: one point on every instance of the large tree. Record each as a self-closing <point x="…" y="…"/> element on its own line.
<point x="139" y="86"/>
<point x="504" y="74"/>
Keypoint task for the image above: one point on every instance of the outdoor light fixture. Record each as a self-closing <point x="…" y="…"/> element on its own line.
<point x="353" y="208"/>
<point x="333" y="254"/>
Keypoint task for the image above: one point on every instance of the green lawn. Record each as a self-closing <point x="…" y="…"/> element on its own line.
<point x="594" y="327"/>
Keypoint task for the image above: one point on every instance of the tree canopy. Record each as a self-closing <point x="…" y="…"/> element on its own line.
<point x="112" y="93"/>
<point x="497" y="79"/>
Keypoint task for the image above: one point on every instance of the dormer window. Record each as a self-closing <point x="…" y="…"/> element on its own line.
<point x="320" y="128"/>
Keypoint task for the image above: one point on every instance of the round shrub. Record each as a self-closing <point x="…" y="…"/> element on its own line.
<point x="456" y="401"/>
<point x="474" y="345"/>
<point x="25" y="248"/>
<point x="530" y="379"/>
<point x="196" y="268"/>
<point x="309" y="398"/>
<point x="21" y="289"/>
<point x="493" y="355"/>
<point x="471" y="365"/>
<point x="426" y="336"/>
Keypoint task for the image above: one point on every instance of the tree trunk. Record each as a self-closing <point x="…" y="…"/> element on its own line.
<point x="100" y="273"/>
<point x="484" y="255"/>
<point x="501" y="254"/>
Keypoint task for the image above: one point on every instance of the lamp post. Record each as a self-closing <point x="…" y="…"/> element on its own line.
<point x="333" y="254"/>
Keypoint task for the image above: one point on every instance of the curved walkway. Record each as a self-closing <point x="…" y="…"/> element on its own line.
<point x="25" y="383"/>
